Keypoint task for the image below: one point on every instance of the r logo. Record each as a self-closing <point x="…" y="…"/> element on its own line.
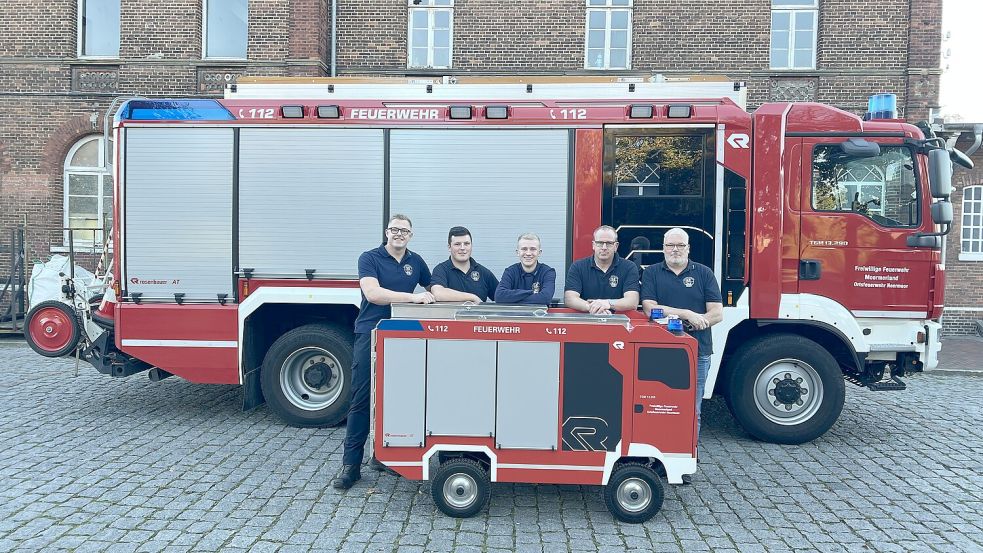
<point x="739" y="140"/>
<point x="618" y="345"/>
<point x="585" y="434"/>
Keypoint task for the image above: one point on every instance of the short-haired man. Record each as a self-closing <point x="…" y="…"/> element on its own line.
<point x="461" y="278"/>
<point x="688" y="290"/>
<point x="604" y="282"/>
<point x="387" y="274"/>
<point x="528" y="281"/>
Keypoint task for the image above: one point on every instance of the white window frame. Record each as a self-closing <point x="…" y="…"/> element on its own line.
<point x="608" y="8"/>
<point x="101" y="172"/>
<point x="792" y="10"/>
<point x="80" y="47"/>
<point x="204" y="35"/>
<point x="431" y="8"/>
<point x="964" y="255"/>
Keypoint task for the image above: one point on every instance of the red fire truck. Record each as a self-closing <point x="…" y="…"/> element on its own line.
<point x="237" y="224"/>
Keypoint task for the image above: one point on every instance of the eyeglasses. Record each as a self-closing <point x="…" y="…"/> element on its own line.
<point x="675" y="246"/>
<point x="604" y="244"/>
<point x="396" y="231"/>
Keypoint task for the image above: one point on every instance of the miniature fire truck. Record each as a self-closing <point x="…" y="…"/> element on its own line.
<point x="465" y="396"/>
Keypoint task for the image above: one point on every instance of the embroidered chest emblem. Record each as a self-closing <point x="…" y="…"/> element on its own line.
<point x="535" y="287"/>
<point x="408" y="269"/>
<point x="613" y="281"/>
<point x="689" y="282"/>
<point x="475" y="275"/>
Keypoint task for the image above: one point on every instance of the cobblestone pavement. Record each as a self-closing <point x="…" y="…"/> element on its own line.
<point x="96" y="464"/>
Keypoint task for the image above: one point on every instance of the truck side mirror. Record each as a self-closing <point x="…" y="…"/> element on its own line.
<point x="860" y="148"/>
<point x="942" y="212"/>
<point x="940" y="173"/>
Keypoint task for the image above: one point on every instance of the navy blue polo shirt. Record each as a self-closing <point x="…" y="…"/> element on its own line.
<point x="518" y="286"/>
<point x="587" y="279"/>
<point x="398" y="276"/>
<point x="477" y="280"/>
<point x="691" y="289"/>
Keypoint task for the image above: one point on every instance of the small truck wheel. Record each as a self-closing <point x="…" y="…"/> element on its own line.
<point x="53" y="329"/>
<point x="460" y="488"/>
<point x="633" y="493"/>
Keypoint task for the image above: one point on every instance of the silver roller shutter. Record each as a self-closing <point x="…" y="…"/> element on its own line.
<point x="498" y="183"/>
<point x="309" y="198"/>
<point x="178" y="212"/>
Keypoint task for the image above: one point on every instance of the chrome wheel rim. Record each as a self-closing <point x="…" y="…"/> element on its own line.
<point x="788" y="392"/>
<point x="460" y="491"/>
<point x="299" y="391"/>
<point x="634" y="495"/>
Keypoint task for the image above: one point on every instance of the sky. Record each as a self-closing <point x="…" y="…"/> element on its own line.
<point x="962" y="61"/>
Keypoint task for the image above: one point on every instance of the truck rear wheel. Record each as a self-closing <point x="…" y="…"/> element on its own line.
<point x="53" y="329"/>
<point x="306" y="376"/>
<point x="634" y="493"/>
<point x="460" y="488"/>
<point x="785" y="389"/>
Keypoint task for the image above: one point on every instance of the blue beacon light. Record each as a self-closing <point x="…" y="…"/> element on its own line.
<point x="882" y="106"/>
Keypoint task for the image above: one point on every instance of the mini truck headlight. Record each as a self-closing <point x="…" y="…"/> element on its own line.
<point x="496" y="112"/>
<point x="460" y="112"/>
<point x="640" y="111"/>
<point x="328" y="112"/>
<point x="679" y="111"/>
<point x="292" y="112"/>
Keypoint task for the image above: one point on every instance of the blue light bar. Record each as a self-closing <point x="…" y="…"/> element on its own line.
<point x="882" y="106"/>
<point x="173" y="110"/>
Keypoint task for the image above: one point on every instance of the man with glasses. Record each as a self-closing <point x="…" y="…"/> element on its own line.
<point x="604" y="282"/>
<point x="387" y="274"/>
<point x="688" y="290"/>
<point x="528" y="281"/>
<point x="461" y="278"/>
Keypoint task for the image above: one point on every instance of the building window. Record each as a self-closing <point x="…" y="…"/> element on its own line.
<point x="431" y="33"/>
<point x="98" y="29"/>
<point x="88" y="204"/>
<point x="225" y="32"/>
<point x="793" y="33"/>
<point x="608" y="41"/>
<point x="972" y="224"/>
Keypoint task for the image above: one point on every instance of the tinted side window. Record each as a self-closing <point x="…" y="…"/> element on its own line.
<point x="881" y="188"/>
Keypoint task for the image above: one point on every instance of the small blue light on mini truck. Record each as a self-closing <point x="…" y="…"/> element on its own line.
<point x="882" y="106"/>
<point x="173" y="110"/>
<point x="675" y="325"/>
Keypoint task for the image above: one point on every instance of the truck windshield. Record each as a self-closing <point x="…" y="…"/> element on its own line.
<point x="881" y="188"/>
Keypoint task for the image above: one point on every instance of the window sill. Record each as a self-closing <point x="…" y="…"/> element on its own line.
<point x="78" y="249"/>
<point x="963" y="256"/>
<point x="224" y="59"/>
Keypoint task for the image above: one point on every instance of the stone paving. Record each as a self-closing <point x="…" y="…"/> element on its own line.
<point x="96" y="464"/>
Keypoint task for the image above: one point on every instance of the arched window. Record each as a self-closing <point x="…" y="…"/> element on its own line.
<point x="972" y="224"/>
<point x="88" y="192"/>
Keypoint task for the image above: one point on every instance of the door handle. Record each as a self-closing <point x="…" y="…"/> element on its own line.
<point x="810" y="269"/>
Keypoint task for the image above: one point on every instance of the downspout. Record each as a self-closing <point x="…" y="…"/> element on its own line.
<point x="978" y="133"/>
<point x="334" y="38"/>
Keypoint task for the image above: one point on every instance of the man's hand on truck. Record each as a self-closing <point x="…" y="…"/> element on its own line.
<point x="423" y="297"/>
<point x="599" y="307"/>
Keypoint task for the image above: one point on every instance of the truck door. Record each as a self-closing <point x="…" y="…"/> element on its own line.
<point x="656" y="179"/>
<point x="856" y="214"/>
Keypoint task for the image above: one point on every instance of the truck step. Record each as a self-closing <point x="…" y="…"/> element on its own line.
<point x="895" y="384"/>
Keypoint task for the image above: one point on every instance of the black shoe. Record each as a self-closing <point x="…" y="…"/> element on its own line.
<point x="347" y="477"/>
<point x="687" y="479"/>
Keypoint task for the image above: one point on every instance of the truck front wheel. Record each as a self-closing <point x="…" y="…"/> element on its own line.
<point x="785" y="389"/>
<point x="306" y="376"/>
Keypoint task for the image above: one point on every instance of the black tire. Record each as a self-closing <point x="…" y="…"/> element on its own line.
<point x="306" y="376"/>
<point x="460" y="488"/>
<point x="634" y="493"/>
<point x="798" y="374"/>
<point x="52" y="328"/>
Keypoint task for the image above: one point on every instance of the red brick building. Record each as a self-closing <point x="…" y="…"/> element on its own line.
<point x="63" y="61"/>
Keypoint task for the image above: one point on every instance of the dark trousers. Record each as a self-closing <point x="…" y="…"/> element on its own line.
<point x="358" y="413"/>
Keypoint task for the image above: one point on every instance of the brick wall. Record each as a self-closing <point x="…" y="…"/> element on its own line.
<point x="964" y="278"/>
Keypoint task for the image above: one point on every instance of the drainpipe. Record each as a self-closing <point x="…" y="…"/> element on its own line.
<point x="978" y="132"/>
<point x="334" y="38"/>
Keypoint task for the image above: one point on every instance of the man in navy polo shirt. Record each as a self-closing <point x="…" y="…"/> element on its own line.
<point x="604" y="282"/>
<point x="387" y="274"/>
<point x="528" y="281"/>
<point x="461" y="278"/>
<point x="688" y="290"/>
